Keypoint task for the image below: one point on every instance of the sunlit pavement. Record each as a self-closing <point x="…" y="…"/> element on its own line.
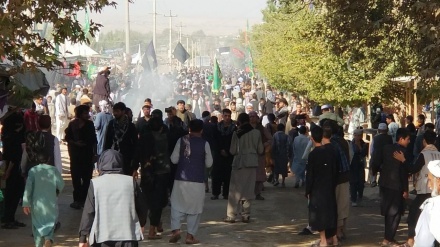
<point x="274" y="221"/>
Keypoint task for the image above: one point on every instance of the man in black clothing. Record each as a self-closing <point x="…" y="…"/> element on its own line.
<point x="122" y="136"/>
<point x="177" y="129"/>
<point x="211" y="135"/>
<point x="393" y="183"/>
<point x="81" y="145"/>
<point x="221" y="170"/>
<point x="13" y="140"/>
<point x="142" y="122"/>
<point x="379" y="142"/>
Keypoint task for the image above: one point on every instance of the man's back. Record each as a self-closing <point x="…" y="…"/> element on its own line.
<point x="393" y="174"/>
<point x="114" y="206"/>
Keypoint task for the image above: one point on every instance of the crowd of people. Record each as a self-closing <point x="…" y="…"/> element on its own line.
<point x="247" y="130"/>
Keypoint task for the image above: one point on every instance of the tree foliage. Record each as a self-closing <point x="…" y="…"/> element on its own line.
<point x="293" y="55"/>
<point x="20" y="42"/>
<point x="354" y="47"/>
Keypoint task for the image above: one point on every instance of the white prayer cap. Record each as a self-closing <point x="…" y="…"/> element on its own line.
<point x="327" y="106"/>
<point x="77" y="86"/>
<point x="103" y="103"/>
<point x="240" y="79"/>
<point x="434" y="168"/>
<point x="228" y="86"/>
<point x="226" y="100"/>
<point x="104" y="68"/>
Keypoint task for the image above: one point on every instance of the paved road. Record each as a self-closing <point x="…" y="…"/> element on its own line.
<point x="274" y="222"/>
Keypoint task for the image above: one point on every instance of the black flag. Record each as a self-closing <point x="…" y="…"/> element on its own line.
<point x="152" y="53"/>
<point x="145" y="63"/>
<point x="180" y="53"/>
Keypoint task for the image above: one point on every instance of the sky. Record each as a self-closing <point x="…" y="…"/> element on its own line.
<point x="214" y="17"/>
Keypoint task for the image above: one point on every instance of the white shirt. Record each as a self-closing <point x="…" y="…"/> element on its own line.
<point x="428" y="225"/>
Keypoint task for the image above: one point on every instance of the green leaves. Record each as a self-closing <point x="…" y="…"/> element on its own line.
<point x="349" y="50"/>
<point x="18" y="39"/>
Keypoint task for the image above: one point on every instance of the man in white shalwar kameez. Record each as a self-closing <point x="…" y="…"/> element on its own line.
<point x="428" y="225"/>
<point x="191" y="154"/>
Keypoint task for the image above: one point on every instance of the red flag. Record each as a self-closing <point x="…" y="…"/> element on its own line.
<point x="238" y="53"/>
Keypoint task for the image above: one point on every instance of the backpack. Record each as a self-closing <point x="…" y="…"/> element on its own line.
<point x="35" y="144"/>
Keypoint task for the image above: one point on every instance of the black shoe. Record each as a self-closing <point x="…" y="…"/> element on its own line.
<point x="229" y="220"/>
<point x="413" y="192"/>
<point x="57" y="226"/>
<point x="374" y="184"/>
<point x="214" y="197"/>
<point x="75" y="205"/>
<point x="9" y="226"/>
<point x="276" y="183"/>
<point x="259" y="197"/>
<point x="19" y="224"/>
<point x="305" y="231"/>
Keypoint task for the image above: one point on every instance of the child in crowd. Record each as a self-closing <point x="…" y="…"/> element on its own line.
<point x="280" y="154"/>
<point x="43" y="185"/>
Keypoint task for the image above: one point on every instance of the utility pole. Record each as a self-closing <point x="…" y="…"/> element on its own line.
<point x="171" y="33"/>
<point x="180" y="32"/>
<point x="127" y="26"/>
<point x="154" y="23"/>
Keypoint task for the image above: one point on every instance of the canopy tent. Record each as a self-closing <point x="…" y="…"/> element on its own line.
<point x="68" y="49"/>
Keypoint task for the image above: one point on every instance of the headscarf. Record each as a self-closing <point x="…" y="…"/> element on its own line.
<point x="103" y="105"/>
<point x="120" y="127"/>
<point x="110" y="162"/>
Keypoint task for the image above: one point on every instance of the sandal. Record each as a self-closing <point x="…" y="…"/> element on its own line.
<point x="317" y="245"/>
<point x="155" y="237"/>
<point x="229" y="220"/>
<point x="389" y="244"/>
<point x="190" y="239"/>
<point x="318" y="242"/>
<point x="174" y="238"/>
<point x="160" y="228"/>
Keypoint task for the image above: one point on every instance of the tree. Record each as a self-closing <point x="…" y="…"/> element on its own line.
<point x="20" y="43"/>
<point x="378" y="39"/>
<point x="291" y="52"/>
<point x="387" y="38"/>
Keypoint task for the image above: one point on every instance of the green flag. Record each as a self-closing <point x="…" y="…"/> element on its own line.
<point x="87" y="24"/>
<point x="91" y="70"/>
<point x="217" y="82"/>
